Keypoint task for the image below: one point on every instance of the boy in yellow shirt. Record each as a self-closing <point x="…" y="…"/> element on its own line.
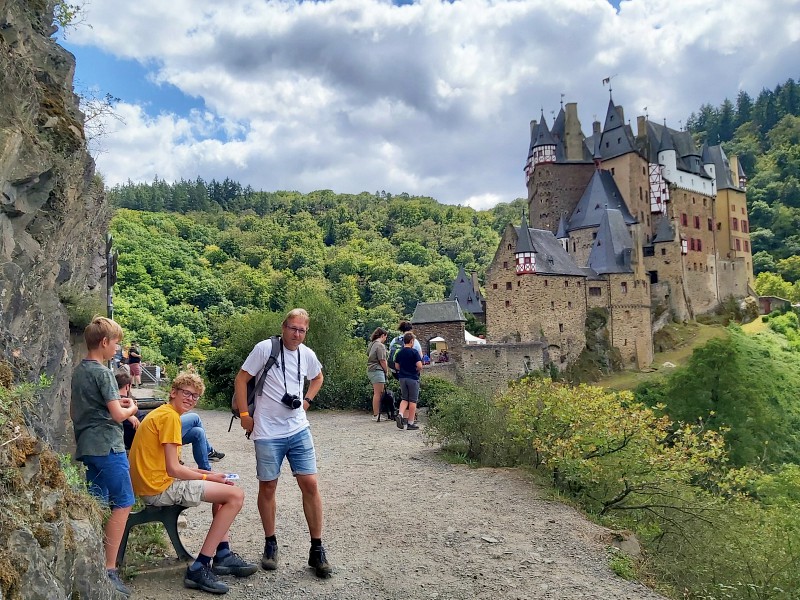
<point x="160" y="480"/>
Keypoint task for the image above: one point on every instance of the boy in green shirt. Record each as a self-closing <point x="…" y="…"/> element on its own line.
<point x="97" y="413"/>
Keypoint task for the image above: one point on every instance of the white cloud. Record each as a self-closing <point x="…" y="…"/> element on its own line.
<point x="431" y="98"/>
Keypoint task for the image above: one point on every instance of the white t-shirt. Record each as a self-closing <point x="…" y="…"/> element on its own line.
<point x="272" y="418"/>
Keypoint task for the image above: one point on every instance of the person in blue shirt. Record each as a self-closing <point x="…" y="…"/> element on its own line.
<point x="408" y="363"/>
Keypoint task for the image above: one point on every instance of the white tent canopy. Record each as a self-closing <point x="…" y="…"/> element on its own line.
<point x="436" y="339"/>
<point x="471" y="339"/>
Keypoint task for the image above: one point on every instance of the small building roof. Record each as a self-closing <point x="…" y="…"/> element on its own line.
<point x="465" y="292"/>
<point x="664" y="230"/>
<point x="447" y="311"/>
<point x="551" y="258"/>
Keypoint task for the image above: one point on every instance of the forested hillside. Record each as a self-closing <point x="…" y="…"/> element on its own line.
<point x="193" y="254"/>
<point x="765" y="134"/>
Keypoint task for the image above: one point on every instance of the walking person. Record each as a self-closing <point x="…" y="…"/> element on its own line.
<point x="135" y="365"/>
<point x="280" y="429"/>
<point x="408" y="363"/>
<point x="377" y="368"/>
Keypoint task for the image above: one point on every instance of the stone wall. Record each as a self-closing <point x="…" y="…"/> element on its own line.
<point x="553" y="190"/>
<point x="452" y="332"/>
<point x="497" y="364"/>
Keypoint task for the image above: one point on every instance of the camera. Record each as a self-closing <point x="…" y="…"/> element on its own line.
<point x="291" y="400"/>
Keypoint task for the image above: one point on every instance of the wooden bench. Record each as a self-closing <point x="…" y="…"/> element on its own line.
<point x="167" y="516"/>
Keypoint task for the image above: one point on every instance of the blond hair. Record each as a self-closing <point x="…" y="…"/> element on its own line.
<point x="185" y="378"/>
<point x="297" y="313"/>
<point x="99" y="329"/>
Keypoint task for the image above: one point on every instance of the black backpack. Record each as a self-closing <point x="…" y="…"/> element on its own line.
<point x="394" y="347"/>
<point x="256" y="383"/>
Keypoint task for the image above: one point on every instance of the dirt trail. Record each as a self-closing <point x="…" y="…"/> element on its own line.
<point x="401" y="523"/>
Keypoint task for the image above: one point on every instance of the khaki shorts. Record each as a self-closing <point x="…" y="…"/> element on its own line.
<point x="185" y="493"/>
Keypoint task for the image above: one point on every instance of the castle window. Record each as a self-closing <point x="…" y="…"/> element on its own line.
<point x="595" y="291"/>
<point x="505" y="264"/>
<point x="561" y="327"/>
<point x="569" y="304"/>
<point x="627" y="314"/>
<point x="625" y="341"/>
<point x="552" y="305"/>
<point x="509" y="246"/>
<point x="624" y="286"/>
<point x="719" y="226"/>
<point x="746" y="246"/>
<point x="578" y="283"/>
<point x="663" y="252"/>
<point x="710" y="225"/>
<point x="494" y="286"/>
<point x="644" y="171"/>
<point x="699" y="245"/>
<point x="641" y="194"/>
<point x="691" y="243"/>
<point x="738" y="244"/>
<point x="574" y="247"/>
<point x="733" y="208"/>
<point x="705" y="201"/>
<point x="697" y="222"/>
<point x="545" y="283"/>
<point x="612" y="171"/>
<point x="743" y="211"/>
<point x="566" y="283"/>
<point x="517" y="282"/>
<point x="508" y="285"/>
<point x="745" y="226"/>
<point x="648" y="250"/>
<point x="735" y="224"/>
<point x="594" y="235"/>
<point x="694" y="201"/>
<point x="684" y="219"/>
<point x="508" y="303"/>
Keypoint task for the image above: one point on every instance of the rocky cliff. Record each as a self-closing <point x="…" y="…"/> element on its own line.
<point x="53" y="221"/>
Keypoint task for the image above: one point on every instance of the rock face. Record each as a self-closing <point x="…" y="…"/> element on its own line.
<point x="53" y="221"/>
<point x="53" y="216"/>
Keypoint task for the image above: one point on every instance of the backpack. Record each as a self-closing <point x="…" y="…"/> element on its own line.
<point x="394" y="347"/>
<point x="256" y="383"/>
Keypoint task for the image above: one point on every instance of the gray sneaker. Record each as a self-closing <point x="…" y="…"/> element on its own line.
<point x="233" y="564"/>
<point x="204" y="579"/>
<point x="269" y="561"/>
<point x="113" y="576"/>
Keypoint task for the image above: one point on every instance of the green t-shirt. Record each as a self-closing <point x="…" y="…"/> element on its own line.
<point x="96" y="433"/>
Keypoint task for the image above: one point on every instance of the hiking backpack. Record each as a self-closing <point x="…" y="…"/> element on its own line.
<point x="394" y="347"/>
<point x="256" y="383"/>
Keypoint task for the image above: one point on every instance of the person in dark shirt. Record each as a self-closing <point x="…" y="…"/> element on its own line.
<point x="135" y="364"/>
<point x="408" y="363"/>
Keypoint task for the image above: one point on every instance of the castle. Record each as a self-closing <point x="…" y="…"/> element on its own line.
<point x="636" y="224"/>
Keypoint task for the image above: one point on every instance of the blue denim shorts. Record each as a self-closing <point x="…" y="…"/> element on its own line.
<point x="109" y="479"/>
<point x="298" y="448"/>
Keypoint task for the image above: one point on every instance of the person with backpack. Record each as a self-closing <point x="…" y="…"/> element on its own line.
<point x="397" y="344"/>
<point x="377" y="368"/>
<point x="280" y="430"/>
<point x="409" y="365"/>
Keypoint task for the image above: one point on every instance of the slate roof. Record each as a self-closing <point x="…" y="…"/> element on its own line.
<point x="723" y="169"/>
<point x="613" y="246"/>
<point x="447" y="311"/>
<point x="689" y="158"/>
<point x="562" y="228"/>
<point x="467" y="296"/>
<point x="551" y="258"/>
<point x="664" y="230"/>
<point x="601" y="193"/>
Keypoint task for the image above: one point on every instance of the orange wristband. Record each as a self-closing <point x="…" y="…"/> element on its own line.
<point x="205" y="476"/>
<point x="244" y="414"/>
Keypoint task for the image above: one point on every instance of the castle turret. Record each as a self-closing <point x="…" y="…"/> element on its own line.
<point x="742" y="175"/>
<point x="561" y="235"/>
<point x="543" y="147"/>
<point x="525" y="253"/>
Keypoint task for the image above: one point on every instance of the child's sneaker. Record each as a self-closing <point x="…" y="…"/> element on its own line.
<point x="412" y="427"/>
<point x="318" y="560"/>
<point x="233" y="564"/>
<point x="113" y="576"/>
<point x="204" y="579"/>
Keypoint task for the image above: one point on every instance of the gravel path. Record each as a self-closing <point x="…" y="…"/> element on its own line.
<point x="400" y="523"/>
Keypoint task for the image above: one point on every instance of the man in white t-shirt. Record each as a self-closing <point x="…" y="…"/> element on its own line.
<point x="280" y="430"/>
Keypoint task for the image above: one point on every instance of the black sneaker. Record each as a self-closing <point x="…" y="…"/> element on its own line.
<point x="113" y="576"/>
<point x="215" y="456"/>
<point x="233" y="564"/>
<point x="318" y="560"/>
<point x="269" y="560"/>
<point x="412" y="427"/>
<point x="399" y="420"/>
<point x="204" y="579"/>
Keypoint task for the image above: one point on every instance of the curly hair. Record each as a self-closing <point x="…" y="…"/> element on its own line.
<point x="184" y="379"/>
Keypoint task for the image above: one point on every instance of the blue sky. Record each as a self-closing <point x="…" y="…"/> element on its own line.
<point x="426" y="97"/>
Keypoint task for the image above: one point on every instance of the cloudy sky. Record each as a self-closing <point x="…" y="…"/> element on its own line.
<point x="430" y="98"/>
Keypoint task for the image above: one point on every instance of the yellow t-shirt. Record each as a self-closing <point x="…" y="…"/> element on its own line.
<point x="148" y="465"/>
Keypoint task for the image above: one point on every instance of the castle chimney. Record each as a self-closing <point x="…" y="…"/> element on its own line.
<point x="533" y="127"/>
<point x="474" y="277"/>
<point x="572" y="132"/>
<point x="596" y="128"/>
<point x="641" y="127"/>
<point x="621" y="114"/>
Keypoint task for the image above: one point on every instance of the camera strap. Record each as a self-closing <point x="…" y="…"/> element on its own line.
<point x="283" y="370"/>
